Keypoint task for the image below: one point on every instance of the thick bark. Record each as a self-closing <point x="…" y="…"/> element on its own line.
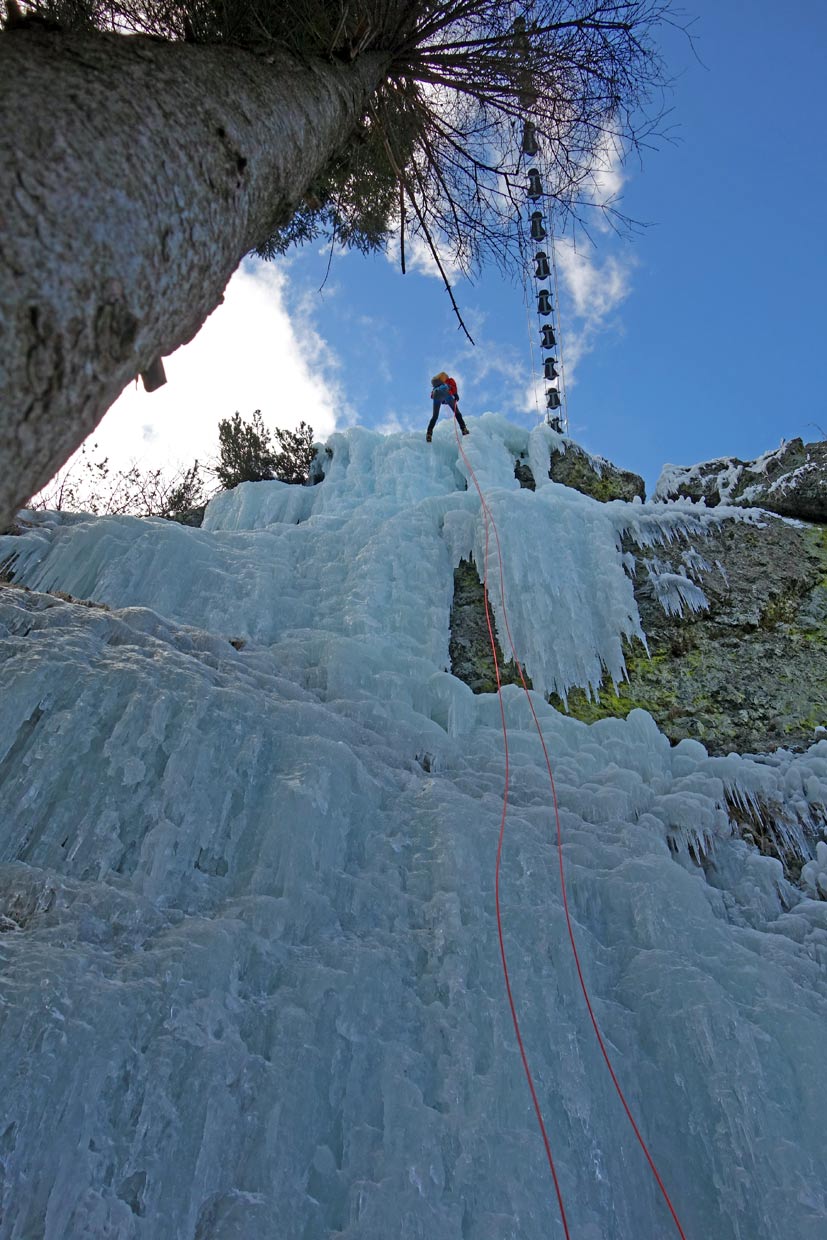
<point x="136" y="174"/>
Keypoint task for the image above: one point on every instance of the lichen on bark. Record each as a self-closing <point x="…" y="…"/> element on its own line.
<point x="138" y="174"/>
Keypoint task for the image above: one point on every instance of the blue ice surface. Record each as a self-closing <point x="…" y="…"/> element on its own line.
<point x="250" y="979"/>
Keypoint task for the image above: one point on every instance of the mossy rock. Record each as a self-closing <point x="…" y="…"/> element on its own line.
<point x="590" y="475"/>
<point x="470" y="643"/>
<point x="595" y="477"/>
<point x="750" y="674"/>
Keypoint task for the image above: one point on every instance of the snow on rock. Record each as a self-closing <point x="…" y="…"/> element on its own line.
<point x="251" y="984"/>
<point x="791" y="480"/>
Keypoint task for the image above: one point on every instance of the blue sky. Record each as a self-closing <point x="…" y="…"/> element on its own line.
<point x="700" y="337"/>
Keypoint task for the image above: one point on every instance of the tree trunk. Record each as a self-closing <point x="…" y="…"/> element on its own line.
<point x="136" y="175"/>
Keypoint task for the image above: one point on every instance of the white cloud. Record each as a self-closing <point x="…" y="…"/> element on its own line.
<point x="606" y="177"/>
<point x="594" y="291"/>
<point x="533" y="397"/>
<point x="250" y="354"/>
<point x="394" y="422"/>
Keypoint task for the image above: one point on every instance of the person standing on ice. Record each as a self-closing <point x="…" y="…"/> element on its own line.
<point x="444" y="392"/>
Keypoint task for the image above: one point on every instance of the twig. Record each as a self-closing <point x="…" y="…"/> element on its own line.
<point x="431" y="246"/>
<point x="402" y="226"/>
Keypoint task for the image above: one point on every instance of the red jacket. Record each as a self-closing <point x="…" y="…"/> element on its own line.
<point x="452" y="387"/>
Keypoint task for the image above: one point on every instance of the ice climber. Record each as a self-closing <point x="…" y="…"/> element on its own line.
<point x="444" y="393"/>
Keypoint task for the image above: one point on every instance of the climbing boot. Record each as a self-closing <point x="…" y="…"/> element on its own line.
<point x="427" y="436"/>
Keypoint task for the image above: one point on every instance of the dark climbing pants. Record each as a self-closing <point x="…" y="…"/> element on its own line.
<point x="452" y="405"/>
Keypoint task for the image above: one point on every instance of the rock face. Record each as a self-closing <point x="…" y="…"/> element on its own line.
<point x="469" y="647"/>
<point x="594" y="476"/>
<point x="591" y="475"/>
<point x="747" y="674"/>
<point x="791" y="481"/>
<point x="742" y="664"/>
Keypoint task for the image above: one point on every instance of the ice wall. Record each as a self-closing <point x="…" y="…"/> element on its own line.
<point x="367" y="554"/>
<point x="250" y="976"/>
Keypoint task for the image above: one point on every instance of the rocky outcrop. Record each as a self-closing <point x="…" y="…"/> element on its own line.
<point x="791" y="481"/>
<point x="470" y="645"/>
<point x="746" y="674"/>
<point x="594" y="476"/>
<point x="573" y="467"/>
<point x="749" y="673"/>
<point x="747" y="670"/>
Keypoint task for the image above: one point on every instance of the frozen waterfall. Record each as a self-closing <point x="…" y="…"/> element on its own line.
<point x="250" y="986"/>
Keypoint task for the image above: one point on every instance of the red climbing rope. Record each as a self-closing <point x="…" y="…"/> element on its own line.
<point x="489" y="521"/>
<point x="526" y="1068"/>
